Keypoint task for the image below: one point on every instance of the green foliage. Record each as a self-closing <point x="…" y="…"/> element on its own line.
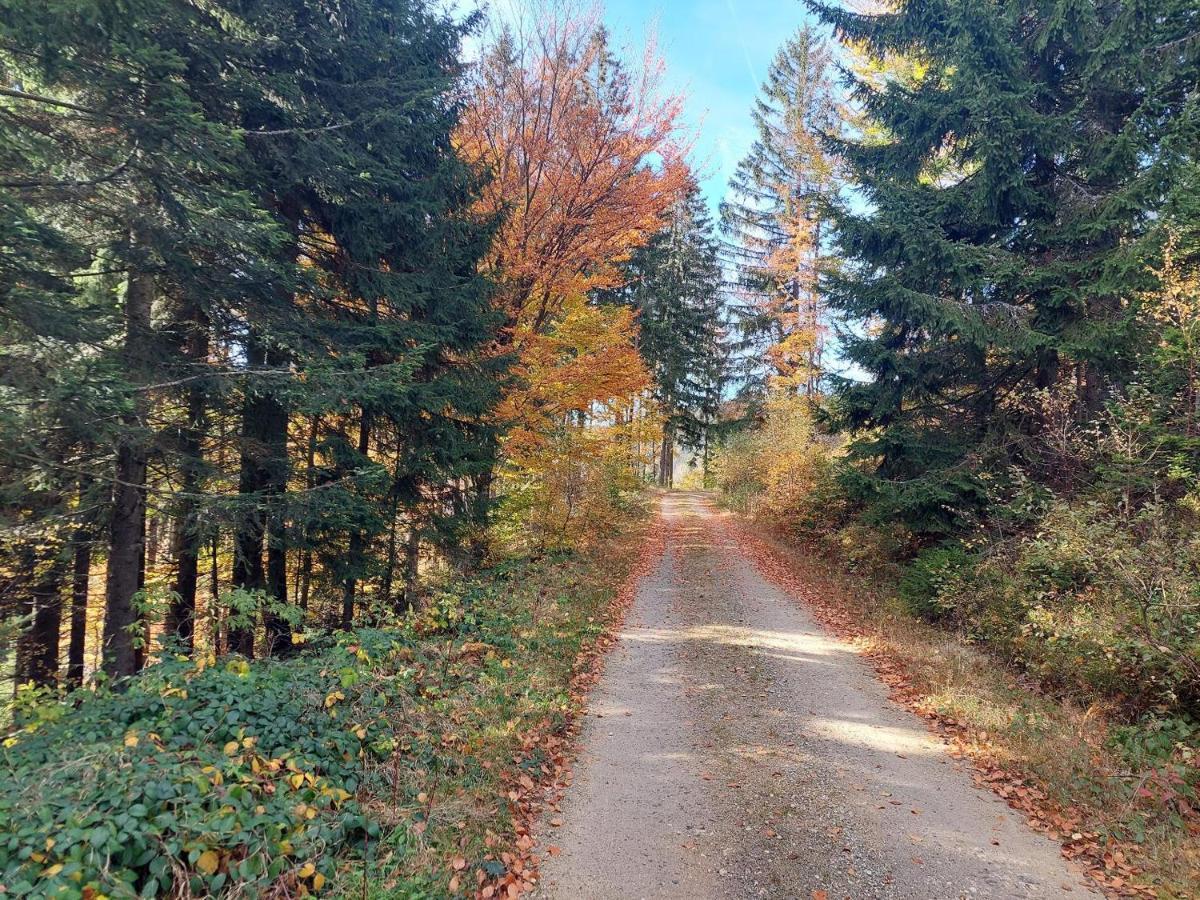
<point x="929" y="583"/>
<point x="241" y="777"/>
<point x="1008" y="227"/>
<point x="215" y="778"/>
<point x="674" y="282"/>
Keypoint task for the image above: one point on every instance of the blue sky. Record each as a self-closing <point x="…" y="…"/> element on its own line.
<point x="716" y="53"/>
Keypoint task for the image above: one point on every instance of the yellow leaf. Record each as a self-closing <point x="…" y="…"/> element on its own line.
<point x="208" y="862"/>
<point x="307" y="870"/>
<point x="231" y="748"/>
<point x="52" y="870"/>
<point x="131" y="739"/>
<point x="318" y="881"/>
<point x="297" y="781"/>
<point x="50" y="843"/>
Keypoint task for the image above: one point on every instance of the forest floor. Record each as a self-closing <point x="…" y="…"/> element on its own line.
<point x="737" y="748"/>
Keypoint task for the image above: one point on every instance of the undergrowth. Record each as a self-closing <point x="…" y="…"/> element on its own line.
<point x="372" y="761"/>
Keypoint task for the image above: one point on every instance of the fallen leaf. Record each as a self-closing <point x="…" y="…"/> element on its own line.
<point x="208" y="862"/>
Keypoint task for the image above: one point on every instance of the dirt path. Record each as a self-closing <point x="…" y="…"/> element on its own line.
<point x="735" y="749"/>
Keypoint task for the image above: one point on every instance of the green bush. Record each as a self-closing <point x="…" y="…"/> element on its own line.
<point x="205" y="779"/>
<point x="1096" y="604"/>
<point x="930" y="583"/>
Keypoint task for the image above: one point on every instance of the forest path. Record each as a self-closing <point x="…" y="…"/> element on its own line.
<point x="736" y="749"/>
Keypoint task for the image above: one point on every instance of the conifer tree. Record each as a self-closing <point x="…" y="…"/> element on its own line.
<point x="674" y="283"/>
<point x="774" y="222"/>
<point x="1000" y="248"/>
<point x="224" y="215"/>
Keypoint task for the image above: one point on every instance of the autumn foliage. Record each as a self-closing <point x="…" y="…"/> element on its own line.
<point x="583" y="162"/>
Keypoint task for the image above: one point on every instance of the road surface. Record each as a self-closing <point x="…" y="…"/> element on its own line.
<point x="735" y="749"/>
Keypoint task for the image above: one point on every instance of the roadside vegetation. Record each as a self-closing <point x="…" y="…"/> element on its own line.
<point x="1061" y="653"/>
<point x="385" y="760"/>
<point x="999" y="237"/>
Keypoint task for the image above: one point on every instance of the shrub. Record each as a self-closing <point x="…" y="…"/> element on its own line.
<point x="195" y="778"/>
<point x="783" y="471"/>
<point x="932" y="582"/>
<point x="1095" y="604"/>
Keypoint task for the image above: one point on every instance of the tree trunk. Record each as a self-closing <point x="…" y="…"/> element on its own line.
<point x="127" y="545"/>
<point x="357" y="538"/>
<point x="666" y="459"/>
<point x="216" y="614"/>
<point x="412" y="567"/>
<point x="141" y="644"/>
<point x="47" y="624"/>
<point x="261" y="486"/>
<point x="304" y="575"/>
<point x="81" y="542"/>
<point x="181" y="617"/>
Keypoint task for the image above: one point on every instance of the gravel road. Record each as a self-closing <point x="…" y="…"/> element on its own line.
<point x="736" y="749"/>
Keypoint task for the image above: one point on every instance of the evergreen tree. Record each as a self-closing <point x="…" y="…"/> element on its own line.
<point x="222" y="216"/>
<point x="123" y="163"/>
<point x="1002" y="245"/>
<point x="674" y="283"/>
<point x="774" y="222"/>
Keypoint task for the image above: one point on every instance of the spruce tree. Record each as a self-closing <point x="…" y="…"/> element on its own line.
<point x="774" y="222"/>
<point x="674" y="282"/>
<point x="998" y="245"/>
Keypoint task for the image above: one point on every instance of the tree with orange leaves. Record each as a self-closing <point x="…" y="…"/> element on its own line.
<point x="581" y="156"/>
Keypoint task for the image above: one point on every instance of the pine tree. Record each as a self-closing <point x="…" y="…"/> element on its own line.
<point x="674" y="283"/>
<point x="774" y="222"/>
<point x="999" y="248"/>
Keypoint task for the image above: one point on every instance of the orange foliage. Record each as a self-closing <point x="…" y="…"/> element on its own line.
<point x="582" y="155"/>
<point x="581" y="366"/>
<point x="582" y="162"/>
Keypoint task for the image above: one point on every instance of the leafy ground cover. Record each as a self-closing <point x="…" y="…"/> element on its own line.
<point x="396" y="761"/>
<point x="1118" y="797"/>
